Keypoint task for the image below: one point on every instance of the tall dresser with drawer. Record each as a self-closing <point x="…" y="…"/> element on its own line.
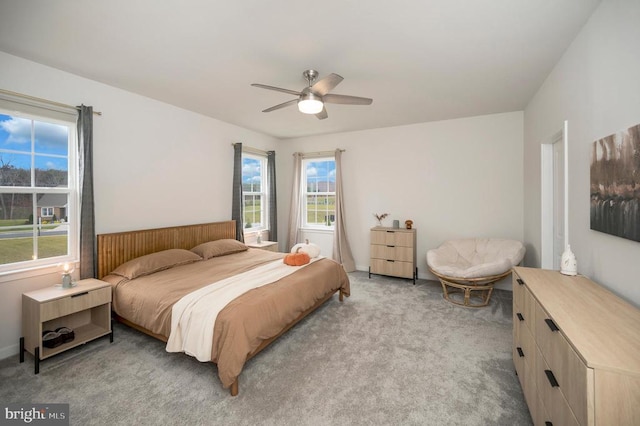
<point x="576" y="350"/>
<point x="393" y="252"/>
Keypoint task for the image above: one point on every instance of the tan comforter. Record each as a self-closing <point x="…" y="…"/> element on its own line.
<point x="244" y="323"/>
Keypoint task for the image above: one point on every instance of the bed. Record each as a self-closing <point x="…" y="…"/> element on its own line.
<point x="155" y="272"/>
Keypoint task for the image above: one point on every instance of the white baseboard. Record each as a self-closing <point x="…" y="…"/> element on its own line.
<point x="503" y="284"/>
<point x="9" y="351"/>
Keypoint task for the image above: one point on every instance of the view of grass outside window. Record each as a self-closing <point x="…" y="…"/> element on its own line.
<point x="254" y="191"/>
<point x="319" y="197"/>
<point x="35" y="190"/>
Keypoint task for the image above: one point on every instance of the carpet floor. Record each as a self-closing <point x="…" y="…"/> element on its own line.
<point x="391" y="354"/>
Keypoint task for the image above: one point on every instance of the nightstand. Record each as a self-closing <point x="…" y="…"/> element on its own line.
<point x="85" y="308"/>
<point x="264" y="245"/>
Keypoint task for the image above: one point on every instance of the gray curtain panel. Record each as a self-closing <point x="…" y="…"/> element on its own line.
<point x="236" y="202"/>
<point x="273" y="208"/>
<point x="294" y="213"/>
<point x="341" y="250"/>
<point x="87" y="214"/>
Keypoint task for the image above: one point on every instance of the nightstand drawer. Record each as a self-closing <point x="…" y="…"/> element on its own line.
<point x="74" y="303"/>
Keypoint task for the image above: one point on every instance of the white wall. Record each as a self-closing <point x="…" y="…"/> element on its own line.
<point x="596" y="87"/>
<point x="455" y="179"/>
<point x="154" y="165"/>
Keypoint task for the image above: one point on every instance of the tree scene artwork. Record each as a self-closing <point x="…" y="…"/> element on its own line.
<point x="615" y="184"/>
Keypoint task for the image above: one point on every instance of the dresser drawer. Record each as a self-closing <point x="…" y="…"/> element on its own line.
<point x="392" y="238"/>
<point x="556" y="407"/>
<point x="74" y="303"/>
<point x="518" y="287"/>
<point x="404" y="254"/>
<point x="393" y="268"/>
<point x="524" y="358"/>
<point x="567" y="367"/>
<point x="525" y="342"/>
<point x="524" y="311"/>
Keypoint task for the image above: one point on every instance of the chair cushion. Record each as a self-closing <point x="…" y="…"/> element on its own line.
<point x="476" y="257"/>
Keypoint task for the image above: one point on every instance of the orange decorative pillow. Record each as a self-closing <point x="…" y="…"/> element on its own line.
<point x="297" y="259"/>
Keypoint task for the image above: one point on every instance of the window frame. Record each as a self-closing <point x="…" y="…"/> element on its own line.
<point x="263" y="193"/>
<point x="67" y="119"/>
<point x="305" y="193"/>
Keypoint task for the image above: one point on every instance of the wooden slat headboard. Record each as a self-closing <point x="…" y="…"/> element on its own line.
<point x="120" y="247"/>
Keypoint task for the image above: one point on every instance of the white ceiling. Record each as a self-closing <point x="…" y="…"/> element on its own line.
<point x="420" y="60"/>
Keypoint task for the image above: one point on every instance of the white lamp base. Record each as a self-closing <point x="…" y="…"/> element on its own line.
<point x="66" y="281"/>
<point x="568" y="263"/>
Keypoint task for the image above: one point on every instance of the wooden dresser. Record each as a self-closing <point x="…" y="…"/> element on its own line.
<point x="576" y="350"/>
<point x="393" y="252"/>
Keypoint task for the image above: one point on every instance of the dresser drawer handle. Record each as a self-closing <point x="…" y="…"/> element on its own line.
<point x="552" y="325"/>
<point x="552" y="379"/>
<point x="519" y="280"/>
<point x="520" y="317"/>
<point x="80" y="294"/>
<point x="391" y="246"/>
<point x="389" y="260"/>
<point x="520" y="352"/>
<point x="391" y="232"/>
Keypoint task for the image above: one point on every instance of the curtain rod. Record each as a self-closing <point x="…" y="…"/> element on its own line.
<point x="251" y="150"/>
<point x="46" y="101"/>
<point x="319" y="153"/>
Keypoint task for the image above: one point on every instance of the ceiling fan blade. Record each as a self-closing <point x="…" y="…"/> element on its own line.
<point x="322" y="114"/>
<point x="346" y="100"/>
<point x="327" y="84"/>
<point x="277" y="89"/>
<point x="282" y="105"/>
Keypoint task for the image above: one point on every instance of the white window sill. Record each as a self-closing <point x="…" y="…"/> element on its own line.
<point x="36" y="271"/>
<point x="318" y="230"/>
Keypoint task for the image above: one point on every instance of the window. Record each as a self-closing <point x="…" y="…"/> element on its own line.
<point x="319" y="192"/>
<point x="38" y="220"/>
<point x="254" y="191"/>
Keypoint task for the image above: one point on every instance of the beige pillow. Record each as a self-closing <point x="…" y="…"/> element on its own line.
<point x="219" y="248"/>
<point x="154" y="262"/>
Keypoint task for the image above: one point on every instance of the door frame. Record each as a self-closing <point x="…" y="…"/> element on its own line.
<point x="547" y="199"/>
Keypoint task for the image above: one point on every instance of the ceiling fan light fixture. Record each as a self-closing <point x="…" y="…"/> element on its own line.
<point x="310" y="103"/>
<point x="312" y="98"/>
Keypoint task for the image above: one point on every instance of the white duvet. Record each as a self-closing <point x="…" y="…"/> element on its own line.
<point x="194" y="316"/>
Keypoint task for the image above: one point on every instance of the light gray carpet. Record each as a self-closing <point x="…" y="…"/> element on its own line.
<point x="391" y="354"/>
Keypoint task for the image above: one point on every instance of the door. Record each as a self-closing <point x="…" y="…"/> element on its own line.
<point x="554" y="204"/>
<point x="558" y="202"/>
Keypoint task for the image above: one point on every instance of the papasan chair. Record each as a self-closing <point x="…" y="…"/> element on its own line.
<point x="470" y="267"/>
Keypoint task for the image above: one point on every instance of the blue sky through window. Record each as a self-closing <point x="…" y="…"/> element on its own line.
<point x="320" y="171"/>
<point x="51" y="143"/>
<point x="251" y="168"/>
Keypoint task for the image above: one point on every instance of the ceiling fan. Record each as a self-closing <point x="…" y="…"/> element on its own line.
<point x="312" y="98"/>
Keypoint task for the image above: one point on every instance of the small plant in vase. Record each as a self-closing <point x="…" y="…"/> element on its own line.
<point x="380" y="217"/>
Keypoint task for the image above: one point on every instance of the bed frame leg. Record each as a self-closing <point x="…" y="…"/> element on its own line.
<point x="341" y="296"/>
<point x="234" y="388"/>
